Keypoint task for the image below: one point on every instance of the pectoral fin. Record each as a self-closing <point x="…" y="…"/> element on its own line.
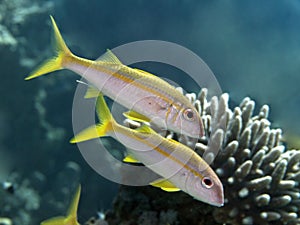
<point x="92" y="92"/>
<point x="145" y="129"/>
<point x="165" y="185"/>
<point x="130" y="159"/>
<point x="132" y="115"/>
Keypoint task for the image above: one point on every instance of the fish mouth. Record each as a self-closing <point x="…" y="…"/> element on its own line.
<point x="220" y="198"/>
<point x="193" y="134"/>
<point x="219" y="204"/>
<point x="196" y="134"/>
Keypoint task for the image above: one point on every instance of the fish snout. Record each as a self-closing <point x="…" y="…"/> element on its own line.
<point x="219" y="200"/>
<point x="218" y="194"/>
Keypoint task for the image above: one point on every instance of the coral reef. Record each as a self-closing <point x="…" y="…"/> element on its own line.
<point x="247" y="157"/>
<point x="19" y="204"/>
<point x="30" y="201"/>
<point x="21" y="158"/>
<point x="260" y="176"/>
<point x="5" y="221"/>
<point x="100" y="220"/>
<point x="17" y="18"/>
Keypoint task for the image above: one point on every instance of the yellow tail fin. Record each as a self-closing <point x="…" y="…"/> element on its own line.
<point x="106" y="124"/>
<point x="57" y="62"/>
<point x="71" y="218"/>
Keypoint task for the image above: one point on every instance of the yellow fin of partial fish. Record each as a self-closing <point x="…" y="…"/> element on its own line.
<point x="145" y="129"/>
<point x="89" y="133"/>
<point x="55" y="63"/>
<point x="172" y="140"/>
<point x="101" y="129"/>
<point x="71" y="218"/>
<point x="110" y="57"/>
<point x="103" y="111"/>
<point x="165" y="185"/>
<point x="133" y="115"/>
<point x="92" y="92"/>
<point x="130" y="159"/>
<point x="60" y="220"/>
<point x="72" y="212"/>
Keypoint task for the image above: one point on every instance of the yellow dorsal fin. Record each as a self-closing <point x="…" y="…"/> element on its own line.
<point x="91" y="92"/>
<point x="71" y="218"/>
<point x="110" y="57"/>
<point x="145" y="129"/>
<point x="172" y="140"/>
<point x="165" y="185"/>
<point x="130" y="159"/>
<point x="133" y="115"/>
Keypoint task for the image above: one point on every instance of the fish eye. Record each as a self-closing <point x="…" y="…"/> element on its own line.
<point x="207" y="182"/>
<point x="189" y="114"/>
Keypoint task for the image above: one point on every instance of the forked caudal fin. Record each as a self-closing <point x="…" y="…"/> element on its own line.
<point x="57" y="62"/>
<point x="101" y="129"/>
<point x="71" y="218"/>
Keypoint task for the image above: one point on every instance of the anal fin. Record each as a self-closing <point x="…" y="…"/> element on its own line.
<point x="165" y="185"/>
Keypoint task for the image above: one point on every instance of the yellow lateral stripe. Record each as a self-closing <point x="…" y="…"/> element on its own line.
<point x="139" y="85"/>
<point x="162" y="152"/>
<point x="186" y="166"/>
<point x="124" y="77"/>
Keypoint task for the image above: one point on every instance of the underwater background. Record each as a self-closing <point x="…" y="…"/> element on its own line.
<point x="251" y="46"/>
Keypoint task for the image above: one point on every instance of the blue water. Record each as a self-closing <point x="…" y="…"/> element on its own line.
<point x="252" y="47"/>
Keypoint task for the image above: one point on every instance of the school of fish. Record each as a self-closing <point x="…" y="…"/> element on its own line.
<point x="152" y="99"/>
<point x="178" y="165"/>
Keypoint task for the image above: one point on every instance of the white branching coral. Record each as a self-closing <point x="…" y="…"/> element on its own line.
<point x="260" y="176"/>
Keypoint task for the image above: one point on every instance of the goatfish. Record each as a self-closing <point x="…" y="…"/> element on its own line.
<point x="71" y="218"/>
<point x="179" y="166"/>
<point x="142" y="92"/>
